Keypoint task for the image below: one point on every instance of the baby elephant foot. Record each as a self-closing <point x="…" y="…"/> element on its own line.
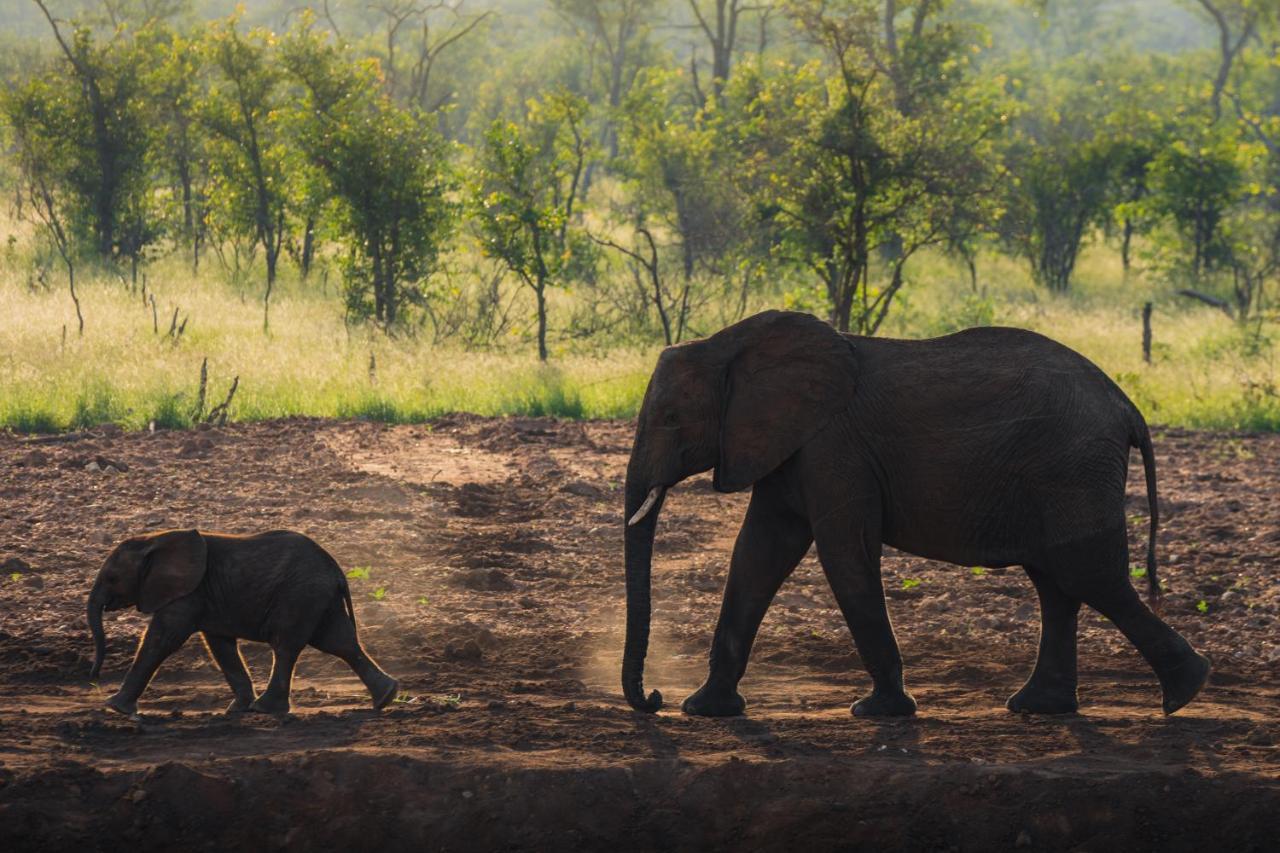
<point x="385" y="694"/>
<point x="265" y="704"/>
<point x="121" y="705"/>
<point x="1043" y="700"/>
<point x="885" y="704"/>
<point x="712" y="701"/>
<point x="1180" y="685"/>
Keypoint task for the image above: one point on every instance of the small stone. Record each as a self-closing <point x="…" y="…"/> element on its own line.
<point x="93" y="466"/>
<point x="1259" y="737"/>
<point x="488" y="580"/>
<point x="581" y="488"/>
<point x="15" y="566"/>
<point x="468" y="650"/>
<point x="34" y="459"/>
<point x="116" y="464"/>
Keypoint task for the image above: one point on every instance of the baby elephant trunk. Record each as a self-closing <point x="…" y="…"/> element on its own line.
<point x="97" y="602"/>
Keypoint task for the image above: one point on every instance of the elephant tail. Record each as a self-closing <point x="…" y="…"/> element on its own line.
<point x="351" y="610"/>
<point x="1142" y="441"/>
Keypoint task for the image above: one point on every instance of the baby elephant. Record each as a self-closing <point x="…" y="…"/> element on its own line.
<point x="279" y="588"/>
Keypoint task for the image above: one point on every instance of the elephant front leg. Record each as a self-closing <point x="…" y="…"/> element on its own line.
<point x="1051" y="689"/>
<point x="772" y="541"/>
<point x="850" y="557"/>
<point x="225" y="652"/>
<point x="160" y="640"/>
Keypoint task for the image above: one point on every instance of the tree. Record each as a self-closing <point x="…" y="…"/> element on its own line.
<point x="433" y="27"/>
<point x="243" y="113"/>
<point x="524" y="190"/>
<point x="385" y="168"/>
<point x="864" y="163"/>
<point x="720" y="23"/>
<point x="172" y="78"/>
<point x="41" y="162"/>
<point x="615" y="32"/>
<point x="91" y="119"/>
<point x="679" y="174"/>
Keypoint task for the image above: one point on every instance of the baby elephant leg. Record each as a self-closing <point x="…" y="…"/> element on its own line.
<point x="275" y="699"/>
<point x="164" y="636"/>
<point x="225" y="652"/>
<point x="337" y="636"/>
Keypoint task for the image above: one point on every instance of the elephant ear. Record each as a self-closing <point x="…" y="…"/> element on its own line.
<point x="791" y="375"/>
<point x="175" y="565"/>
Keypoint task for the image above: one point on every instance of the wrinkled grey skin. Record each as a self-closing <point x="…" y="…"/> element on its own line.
<point x="279" y="588"/>
<point x="990" y="447"/>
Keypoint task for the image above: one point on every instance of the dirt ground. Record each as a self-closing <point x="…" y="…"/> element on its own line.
<point x="488" y="577"/>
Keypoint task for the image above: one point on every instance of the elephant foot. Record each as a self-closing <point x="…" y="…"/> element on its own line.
<point x="711" y="701"/>
<point x="1039" y="700"/>
<point x="121" y="705"/>
<point x="1181" y="684"/>
<point x="239" y="706"/>
<point x="267" y="705"/>
<point x="878" y="704"/>
<point x="387" y="695"/>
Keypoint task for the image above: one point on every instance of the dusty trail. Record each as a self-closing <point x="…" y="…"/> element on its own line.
<point x="489" y="581"/>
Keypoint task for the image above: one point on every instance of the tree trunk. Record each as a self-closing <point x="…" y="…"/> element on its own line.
<point x="541" y="290"/>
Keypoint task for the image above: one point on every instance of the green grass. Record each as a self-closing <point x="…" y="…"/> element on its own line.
<point x="1207" y="373"/>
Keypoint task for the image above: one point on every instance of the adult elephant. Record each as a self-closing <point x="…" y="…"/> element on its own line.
<point x="989" y="447"/>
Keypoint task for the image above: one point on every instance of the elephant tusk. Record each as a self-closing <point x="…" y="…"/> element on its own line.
<point x="654" y="494"/>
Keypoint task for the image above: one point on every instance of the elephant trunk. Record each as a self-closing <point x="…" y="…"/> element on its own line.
<point x="640" y="495"/>
<point x="97" y="603"/>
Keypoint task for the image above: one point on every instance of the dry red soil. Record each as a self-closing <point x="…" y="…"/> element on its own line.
<point x="494" y="591"/>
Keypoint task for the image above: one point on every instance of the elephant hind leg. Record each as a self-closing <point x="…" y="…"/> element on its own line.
<point x="225" y="652"/>
<point x="1096" y="570"/>
<point x="275" y="699"/>
<point x="336" y="635"/>
<point x="1051" y="689"/>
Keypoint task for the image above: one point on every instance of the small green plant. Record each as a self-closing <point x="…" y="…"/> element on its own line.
<point x="379" y="593"/>
<point x="449" y="700"/>
<point x="422" y="601"/>
<point x="1137" y="572"/>
<point x="15" y="576"/>
<point x="910" y="583"/>
<point x="359" y="573"/>
<point x="977" y="571"/>
<point x="1203" y="606"/>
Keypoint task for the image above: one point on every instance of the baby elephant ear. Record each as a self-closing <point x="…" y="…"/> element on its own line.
<point x="175" y="565"/>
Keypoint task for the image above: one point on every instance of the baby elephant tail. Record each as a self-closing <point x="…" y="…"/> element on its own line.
<point x="351" y="611"/>
<point x="1142" y="440"/>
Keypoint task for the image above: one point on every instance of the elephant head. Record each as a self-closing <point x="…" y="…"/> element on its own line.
<point x="742" y="401"/>
<point x="147" y="572"/>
